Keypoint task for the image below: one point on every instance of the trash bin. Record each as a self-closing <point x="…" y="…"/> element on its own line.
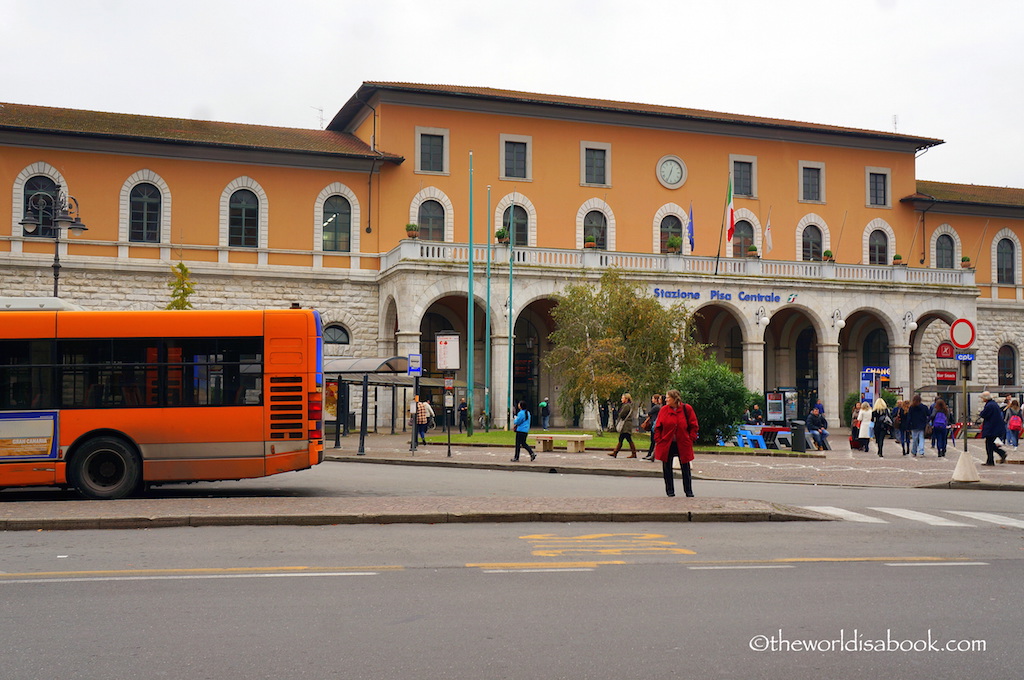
<point x="799" y="428"/>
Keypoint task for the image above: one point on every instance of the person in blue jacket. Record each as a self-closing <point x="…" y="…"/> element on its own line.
<point x="521" y="424"/>
<point x="992" y="427"/>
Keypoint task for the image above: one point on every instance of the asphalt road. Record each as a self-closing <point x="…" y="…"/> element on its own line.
<point x="545" y="600"/>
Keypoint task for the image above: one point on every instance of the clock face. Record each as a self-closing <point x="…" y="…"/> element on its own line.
<point x="671" y="172"/>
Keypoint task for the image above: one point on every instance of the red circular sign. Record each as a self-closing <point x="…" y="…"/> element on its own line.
<point x="962" y="333"/>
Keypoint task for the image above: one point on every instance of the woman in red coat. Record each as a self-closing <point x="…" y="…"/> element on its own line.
<point x="674" y="434"/>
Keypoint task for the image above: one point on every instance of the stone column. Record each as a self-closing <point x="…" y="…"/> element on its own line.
<point x="828" y="382"/>
<point x="753" y="365"/>
<point x="499" y="380"/>
<point x="900" y="371"/>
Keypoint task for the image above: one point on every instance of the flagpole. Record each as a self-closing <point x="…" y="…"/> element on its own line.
<point x="470" y="315"/>
<point x="487" y="319"/>
<point x="725" y="215"/>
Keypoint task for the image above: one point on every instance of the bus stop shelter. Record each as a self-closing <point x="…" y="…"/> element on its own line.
<point x="389" y="373"/>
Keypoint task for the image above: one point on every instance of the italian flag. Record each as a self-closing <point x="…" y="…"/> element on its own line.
<point x="730" y="214"/>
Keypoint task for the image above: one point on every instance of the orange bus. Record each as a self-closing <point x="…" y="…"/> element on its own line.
<point x="107" y="402"/>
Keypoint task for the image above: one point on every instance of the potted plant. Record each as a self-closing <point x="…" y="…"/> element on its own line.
<point x="589" y="241"/>
<point x="501" y="235"/>
<point x="751" y="250"/>
<point x="412" y="230"/>
<point x="965" y="262"/>
<point x="897" y="259"/>
<point x="828" y="256"/>
<point x="674" y="244"/>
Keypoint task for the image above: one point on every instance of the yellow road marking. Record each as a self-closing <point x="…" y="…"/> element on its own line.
<point x="542" y="565"/>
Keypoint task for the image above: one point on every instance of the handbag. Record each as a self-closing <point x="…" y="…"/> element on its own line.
<point x="928" y="430"/>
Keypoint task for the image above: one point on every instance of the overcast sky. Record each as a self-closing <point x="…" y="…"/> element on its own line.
<point x="934" y="68"/>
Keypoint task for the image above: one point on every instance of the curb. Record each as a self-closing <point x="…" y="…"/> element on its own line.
<point x="772" y="513"/>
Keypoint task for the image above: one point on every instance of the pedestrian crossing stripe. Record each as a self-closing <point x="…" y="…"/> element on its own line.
<point x="917" y="516"/>
<point x="933" y="520"/>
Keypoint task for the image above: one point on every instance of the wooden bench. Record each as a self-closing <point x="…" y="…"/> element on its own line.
<point x="574" y="443"/>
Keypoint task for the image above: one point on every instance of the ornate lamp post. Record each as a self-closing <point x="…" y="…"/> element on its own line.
<point x="63" y="211"/>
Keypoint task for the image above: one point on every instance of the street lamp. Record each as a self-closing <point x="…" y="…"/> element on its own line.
<point x="64" y="214"/>
<point x="761" y="317"/>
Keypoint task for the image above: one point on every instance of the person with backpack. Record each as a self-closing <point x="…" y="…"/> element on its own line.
<point x="940" y="426"/>
<point x="1014" y="423"/>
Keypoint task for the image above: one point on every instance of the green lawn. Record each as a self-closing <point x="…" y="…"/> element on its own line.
<point x="606" y="440"/>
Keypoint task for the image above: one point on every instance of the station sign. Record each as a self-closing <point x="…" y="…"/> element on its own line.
<point x="965" y="356"/>
<point x="416" y="365"/>
<point x="448" y="352"/>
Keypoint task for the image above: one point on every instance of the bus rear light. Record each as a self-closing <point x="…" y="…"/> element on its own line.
<point x="315" y="408"/>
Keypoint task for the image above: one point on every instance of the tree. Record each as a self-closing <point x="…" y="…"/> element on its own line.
<point x="182" y="287"/>
<point x="612" y="338"/>
<point x="716" y="394"/>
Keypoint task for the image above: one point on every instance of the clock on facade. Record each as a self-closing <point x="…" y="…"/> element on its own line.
<point x="671" y="171"/>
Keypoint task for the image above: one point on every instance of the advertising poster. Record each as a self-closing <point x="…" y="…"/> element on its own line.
<point x="28" y="435"/>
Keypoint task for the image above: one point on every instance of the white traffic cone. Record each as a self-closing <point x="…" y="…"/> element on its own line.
<point x="965" y="470"/>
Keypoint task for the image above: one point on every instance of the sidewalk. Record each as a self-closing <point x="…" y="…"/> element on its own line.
<point x="840" y="466"/>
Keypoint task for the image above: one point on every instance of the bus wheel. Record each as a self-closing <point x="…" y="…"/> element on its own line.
<point x="105" y="467"/>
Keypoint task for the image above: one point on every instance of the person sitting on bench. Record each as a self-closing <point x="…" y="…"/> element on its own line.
<point x="816" y="425"/>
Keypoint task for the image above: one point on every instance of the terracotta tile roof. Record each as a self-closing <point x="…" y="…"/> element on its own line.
<point x="968" y="193"/>
<point x="350" y="109"/>
<point x="44" y="119"/>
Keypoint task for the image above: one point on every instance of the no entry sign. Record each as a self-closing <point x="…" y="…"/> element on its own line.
<point x="962" y="333"/>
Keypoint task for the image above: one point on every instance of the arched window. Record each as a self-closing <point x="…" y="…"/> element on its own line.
<point x="519" y="230"/>
<point x="1005" y="265"/>
<point x="876" y="348"/>
<point x="596" y="224"/>
<point x="878" y="247"/>
<point x="35" y="185"/>
<point x="243" y="219"/>
<point x="812" y="244"/>
<point x="1007" y="365"/>
<point x="337" y="224"/>
<point x="670" y="226"/>
<point x="336" y="338"/>
<point x="742" y="238"/>
<point x="431" y="221"/>
<point x="944" y="250"/>
<point x="144" y="213"/>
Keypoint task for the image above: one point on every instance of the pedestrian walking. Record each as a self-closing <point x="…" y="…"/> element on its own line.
<point x="1014" y="424"/>
<point x="521" y="424"/>
<point x="992" y="427"/>
<point x="627" y="413"/>
<point x="883" y="422"/>
<point x="649" y="423"/>
<point x="545" y="413"/>
<point x="674" y="434"/>
<point x="424" y="413"/>
<point x="940" y="426"/>
<point x="602" y="411"/>
<point x="902" y="423"/>
<point x="917" y="416"/>
<point x="864" y="429"/>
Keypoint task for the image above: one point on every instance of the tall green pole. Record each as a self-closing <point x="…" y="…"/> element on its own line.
<point x="511" y="334"/>
<point x="487" y="321"/>
<point x="470" y="316"/>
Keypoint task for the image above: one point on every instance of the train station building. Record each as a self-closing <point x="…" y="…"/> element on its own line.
<point x="842" y="263"/>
